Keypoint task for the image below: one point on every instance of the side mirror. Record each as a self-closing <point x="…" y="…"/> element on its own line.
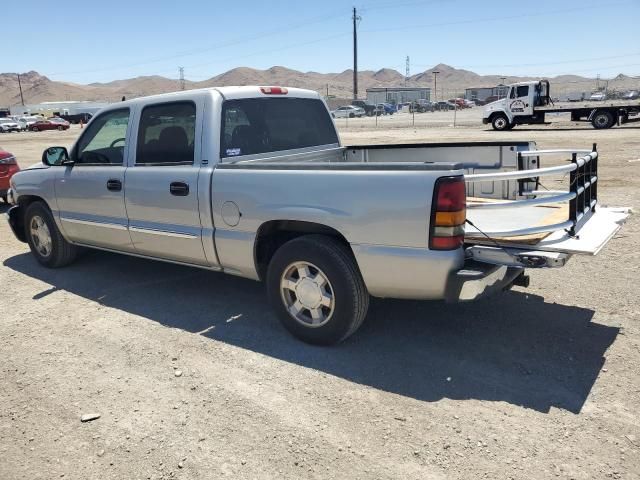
<point x="54" y="156"/>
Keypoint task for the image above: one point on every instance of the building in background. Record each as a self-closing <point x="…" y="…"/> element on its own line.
<point x="483" y="93"/>
<point x="397" y="94"/>
<point x="49" y="109"/>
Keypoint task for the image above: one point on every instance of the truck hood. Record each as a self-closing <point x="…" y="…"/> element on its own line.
<point x="493" y="106"/>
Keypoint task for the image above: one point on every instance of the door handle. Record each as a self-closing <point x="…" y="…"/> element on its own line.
<point x="179" y="189"/>
<point x="114" y="185"/>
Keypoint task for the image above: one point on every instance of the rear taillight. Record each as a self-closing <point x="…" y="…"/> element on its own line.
<point x="448" y="214"/>
<point x="8" y="161"/>
<point x="274" y="90"/>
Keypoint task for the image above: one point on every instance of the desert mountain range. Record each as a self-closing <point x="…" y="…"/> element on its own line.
<point x="451" y="82"/>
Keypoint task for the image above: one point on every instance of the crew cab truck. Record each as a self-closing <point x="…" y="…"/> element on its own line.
<point x="253" y="181"/>
<point x="529" y="102"/>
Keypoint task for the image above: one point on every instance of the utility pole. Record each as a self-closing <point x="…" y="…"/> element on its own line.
<point x="181" y="70"/>
<point x="355" y="54"/>
<point x="20" y="87"/>
<point x="406" y="73"/>
<point x="435" y="83"/>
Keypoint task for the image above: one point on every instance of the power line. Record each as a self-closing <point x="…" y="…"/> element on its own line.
<point x="493" y="19"/>
<point x="302" y="23"/>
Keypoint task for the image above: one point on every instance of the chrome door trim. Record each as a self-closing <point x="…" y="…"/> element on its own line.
<point x="166" y="233"/>
<point x="115" y="226"/>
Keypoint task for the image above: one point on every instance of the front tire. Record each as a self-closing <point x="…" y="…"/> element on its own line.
<point x="45" y="240"/>
<point x="315" y="286"/>
<point x="500" y="123"/>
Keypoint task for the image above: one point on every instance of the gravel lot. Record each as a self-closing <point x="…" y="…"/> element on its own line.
<point x="195" y="379"/>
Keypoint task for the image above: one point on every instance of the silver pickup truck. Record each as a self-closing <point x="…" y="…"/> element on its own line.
<point x="253" y="181"/>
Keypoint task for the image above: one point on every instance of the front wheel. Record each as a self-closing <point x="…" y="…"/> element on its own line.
<point x="314" y="284"/>
<point x="34" y="129"/>
<point x="45" y="240"/>
<point x="500" y="123"/>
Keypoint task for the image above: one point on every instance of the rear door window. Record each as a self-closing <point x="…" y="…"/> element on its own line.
<point x="166" y="134"/>
<point x="263" y="125"/>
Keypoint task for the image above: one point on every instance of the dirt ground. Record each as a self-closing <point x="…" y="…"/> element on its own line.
<point x="195" y="379"/>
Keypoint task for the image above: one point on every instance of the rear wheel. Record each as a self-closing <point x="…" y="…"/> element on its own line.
<point x="500" y="123"/>
<point x="315" y="286"/>
<point x="602" y="119"/>
<point x="45" y="240"/>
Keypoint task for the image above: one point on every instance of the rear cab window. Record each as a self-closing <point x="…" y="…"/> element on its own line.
<point x="264" y="125"/>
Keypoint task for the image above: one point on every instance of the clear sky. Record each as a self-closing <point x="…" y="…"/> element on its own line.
<point x="89" y="41"/>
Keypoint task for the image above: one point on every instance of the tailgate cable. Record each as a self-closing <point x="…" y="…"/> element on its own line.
<point x="484" y="234"/>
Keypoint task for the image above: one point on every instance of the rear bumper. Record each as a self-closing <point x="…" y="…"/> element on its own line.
<point x="477" y="280"/>
<point x="16" y="222"/>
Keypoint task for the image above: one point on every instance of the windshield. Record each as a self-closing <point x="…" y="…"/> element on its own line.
<point x="261" y="125"/>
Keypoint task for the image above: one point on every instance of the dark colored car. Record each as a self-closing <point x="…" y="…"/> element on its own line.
<point x="369" y="109"/>
<point x="50" y="124"/>
<point x="8" y="167"/>
<point x="442" y="105"/>
<point x="77" y="118"/>
<point x="385" y="109"/>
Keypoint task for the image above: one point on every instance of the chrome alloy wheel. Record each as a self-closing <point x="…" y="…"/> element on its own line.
<point x="307" y="294"/>
<point x="41" y="236"/>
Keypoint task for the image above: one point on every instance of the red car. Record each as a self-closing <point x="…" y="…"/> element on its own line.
<point x="8" y="166"/>
<point x="54" y="124"/>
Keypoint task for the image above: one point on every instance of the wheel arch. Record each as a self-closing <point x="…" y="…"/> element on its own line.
<point x="272" y="234"/>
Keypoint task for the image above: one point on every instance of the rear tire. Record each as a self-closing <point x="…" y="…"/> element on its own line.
<point x="602" y="119"/>
<point x="500" y="123"/>
<point x="45" y="240"/>
<point x="315" y="286"/>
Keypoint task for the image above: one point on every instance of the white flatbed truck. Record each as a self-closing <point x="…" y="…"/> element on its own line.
<point x="527" y="103"/>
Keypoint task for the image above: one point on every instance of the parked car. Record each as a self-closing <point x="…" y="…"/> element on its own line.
<point x="77" y="118"/>
<point x="348" y="111"/>
<point x="598" y="97"/>
<point x="469" y="103"/>
<point x="369" y="109"/>
<point x="9" y="125"/>
<point x="48" y="125"/>
<point x="8" y="168"/>
<point x="386" y="109"/>
<point x="27" y="122"/>
<point x="266" y="191"/>
<point x="421" y="106"/>
<point x="631" y="95"/>
<point x="59" y="121"/>
<point x="443" y="105"/>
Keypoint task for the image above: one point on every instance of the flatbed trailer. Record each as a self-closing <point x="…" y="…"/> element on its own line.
<point x="527" y="103"/>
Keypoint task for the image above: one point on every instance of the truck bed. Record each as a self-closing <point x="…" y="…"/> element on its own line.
<point x="586" y="105"/>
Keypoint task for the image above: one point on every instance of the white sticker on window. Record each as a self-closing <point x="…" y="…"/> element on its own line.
<point x="232" y="152"/>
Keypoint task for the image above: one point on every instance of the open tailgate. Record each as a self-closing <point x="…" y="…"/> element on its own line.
<point x="593" y="235"/>
<point x="540" y="222"/>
